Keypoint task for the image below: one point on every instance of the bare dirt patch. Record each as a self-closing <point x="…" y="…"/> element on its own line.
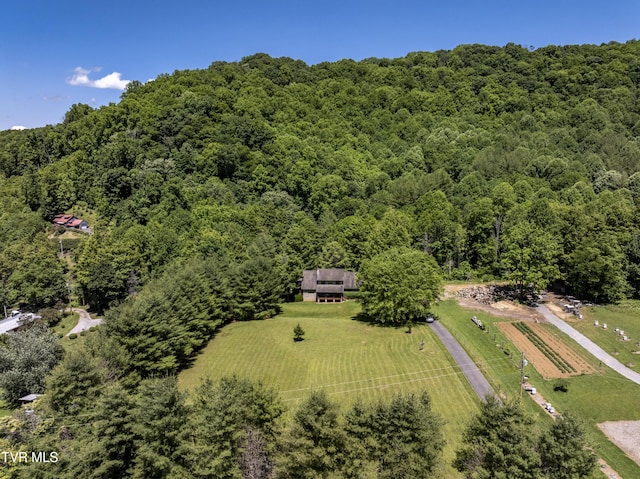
<point x="579" y="363"/>
<point x="556" y="309"/>
<point x="542" y="364"/>
<point x="540" y="361"/>
<point x="625" y="435"/>
<point x="504" y="308"/>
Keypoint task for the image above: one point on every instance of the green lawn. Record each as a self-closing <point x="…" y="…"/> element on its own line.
<point x="350" y="359"/>
<point x="625" y="316"/>
<point x="490" y="349"/>
<point x="66" y="324"/>
<point x="347" y="358"/>
<point x="596" y="398"/>
<point x="5" y="410"/>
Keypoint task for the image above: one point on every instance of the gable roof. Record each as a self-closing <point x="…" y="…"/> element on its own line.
<point x="75" y="222"/>
<point x="63" y="219"/>
<point x="333" y="274"/>
<point x="350" y="282"/>
<point x="311" y="277"/>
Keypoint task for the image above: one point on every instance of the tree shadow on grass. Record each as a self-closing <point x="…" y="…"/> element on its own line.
<point x="365" y="318"/>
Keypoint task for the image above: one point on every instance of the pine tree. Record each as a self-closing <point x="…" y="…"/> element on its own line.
<point x="499" y="443"/>
<point x="75" y="382"/>
<point x="298" y="333"/>
<point x="160" y="418"/>
<point x="400" y="438"/>
<point x="231" y="427"/>
<point x="564" y="450"/>
<point x="108" y="448"/>
<point x="314" y="445"/>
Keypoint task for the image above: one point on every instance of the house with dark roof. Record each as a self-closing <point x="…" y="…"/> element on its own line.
<point x="327" y="285"/>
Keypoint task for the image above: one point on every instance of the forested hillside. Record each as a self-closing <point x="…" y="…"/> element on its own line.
<point x="500" y="162"/>
<point x="211" y="190"/>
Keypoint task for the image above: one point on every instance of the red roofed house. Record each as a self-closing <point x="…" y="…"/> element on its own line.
<point x="70" y="221"/>
<point x="62" y="220"/>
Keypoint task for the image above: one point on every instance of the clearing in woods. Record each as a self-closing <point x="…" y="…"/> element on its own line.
<point x="551" y="356"/>
<point x="348" y="359"/>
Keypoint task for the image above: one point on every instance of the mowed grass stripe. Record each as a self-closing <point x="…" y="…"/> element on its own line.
<point x="349" y="359"/>
<point x="259" y="354"/>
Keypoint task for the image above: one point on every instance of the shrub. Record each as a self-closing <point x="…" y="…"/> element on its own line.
<point x="73" y="336"/>
<point x="561" y="385"/>
<point x="298" y="333"/>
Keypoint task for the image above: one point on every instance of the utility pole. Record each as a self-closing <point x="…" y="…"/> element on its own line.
<point x="523" y="363"/>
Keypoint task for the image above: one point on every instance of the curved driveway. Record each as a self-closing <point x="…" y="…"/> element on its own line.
<point x="84" y="321"/>
<point x="478" y="382"/>
<point x="590" y="346"/>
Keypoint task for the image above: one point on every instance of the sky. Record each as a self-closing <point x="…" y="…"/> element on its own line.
<point x="56" y="53"/>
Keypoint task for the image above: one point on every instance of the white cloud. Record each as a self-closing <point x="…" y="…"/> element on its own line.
<point x="112" y="80"/>
<point x="18" y="127"/>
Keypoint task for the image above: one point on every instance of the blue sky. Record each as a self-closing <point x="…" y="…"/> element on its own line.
<point x="57" y="53"/>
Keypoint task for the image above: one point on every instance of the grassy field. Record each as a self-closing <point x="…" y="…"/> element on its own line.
<point x="599" y="397"/>
<point x="5" y="410"/>
<point x="347" y="358"/>
<point x="66" y="324"/>
<point x="489" y="348"/>
<point x="625" y="316"/>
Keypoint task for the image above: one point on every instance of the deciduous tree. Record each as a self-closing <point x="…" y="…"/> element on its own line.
<point x="25" y="360"/>
<point x="399" y="286"/>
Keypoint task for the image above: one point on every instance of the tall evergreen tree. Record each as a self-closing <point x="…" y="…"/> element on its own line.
<point x="314" y="445"/>
<point x="107" y="448"/>
<point x="75" y="382"/>
<point x="399" y="438"/>
<point x="161" y="417"/>
<point x="499" y="443"/>
<point x="231" y="429"/>
<point x="565" y="451"/>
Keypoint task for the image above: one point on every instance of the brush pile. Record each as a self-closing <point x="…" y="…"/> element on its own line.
<point x="488" y="294"/>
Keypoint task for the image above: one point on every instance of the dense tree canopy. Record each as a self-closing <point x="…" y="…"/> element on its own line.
<point x="399" y="286"/>
<point x="499" y="162"/>
<point x="502" y="442"/>
<point x="25" y="360"/>
<point x="210" y="191"/>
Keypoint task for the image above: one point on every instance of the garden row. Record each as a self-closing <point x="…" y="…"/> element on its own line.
<point x="548" y="351"/>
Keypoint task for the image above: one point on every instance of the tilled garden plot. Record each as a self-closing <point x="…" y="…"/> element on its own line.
<point x="551" y="357"/>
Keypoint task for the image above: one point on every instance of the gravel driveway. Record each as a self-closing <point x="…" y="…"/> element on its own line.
<point x="590" y="346"/>
<point x="84" y="322"/>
